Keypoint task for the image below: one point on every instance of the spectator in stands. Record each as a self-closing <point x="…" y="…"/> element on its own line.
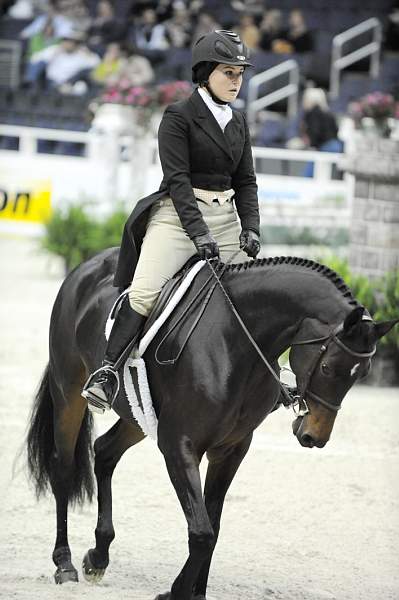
<point x="61" y="64"/>
<point x="117" y="65"/>
<point x="206" y="23"/>
<point x="105" y="28"/>
<point x="43" y="38"/>
<point x="137" y="7"/>
<point x="108" y="71"/>
<point x="270" y="29"/>
<point x="178" y="29"/>
<point x="392" y="30"/>
<point x="24" y="9"/>
<point x="148" y="33"/>
<point x="297" y="34"/>
<point x="248" y="31"/>
<point x="74" y="10"/>
<point x="164" y="8"/>
<point x="319" y="127"/>
<point x="21" y="9"/>
<point x="48" y="24"/>
<point x="137" y="70"/>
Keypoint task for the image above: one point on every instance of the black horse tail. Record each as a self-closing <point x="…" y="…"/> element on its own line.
<point x="40" y="448"/>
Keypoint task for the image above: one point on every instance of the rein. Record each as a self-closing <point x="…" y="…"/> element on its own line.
<point x="201" y="311"/>
<point x="289" y="400"/>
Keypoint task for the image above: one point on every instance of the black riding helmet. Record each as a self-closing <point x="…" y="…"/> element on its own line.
<point x="218" y="47"/>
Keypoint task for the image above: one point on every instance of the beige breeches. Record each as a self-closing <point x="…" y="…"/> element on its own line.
<point x="166" y="247"/>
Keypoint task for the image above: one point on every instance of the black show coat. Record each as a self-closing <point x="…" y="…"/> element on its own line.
<point x="194" y="152"/>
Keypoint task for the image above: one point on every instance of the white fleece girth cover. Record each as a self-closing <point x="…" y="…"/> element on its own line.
<point x="144" y="414"/>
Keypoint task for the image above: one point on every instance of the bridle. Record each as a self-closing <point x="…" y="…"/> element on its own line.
<point x="300" y="400"/>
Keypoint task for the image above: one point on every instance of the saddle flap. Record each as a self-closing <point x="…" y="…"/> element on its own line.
<point x="168" y="291"/>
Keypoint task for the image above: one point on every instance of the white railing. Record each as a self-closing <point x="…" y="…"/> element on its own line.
<point x="295" y="201"/>
<point x="285" y="199"/>
<point x="29" y="136"/>
<point x="323" y="161"/>
<point x="290" y="91"/>
<point x="340" y="62"/>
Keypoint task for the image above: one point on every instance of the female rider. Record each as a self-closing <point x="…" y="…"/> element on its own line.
<point x="208" y="178"/>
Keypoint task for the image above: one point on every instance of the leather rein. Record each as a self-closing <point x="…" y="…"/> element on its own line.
<point x="292" y="400"/>
<point x="288" y="400"/>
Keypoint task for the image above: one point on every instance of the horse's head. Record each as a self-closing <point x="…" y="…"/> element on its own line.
<point x="326" y="366"/>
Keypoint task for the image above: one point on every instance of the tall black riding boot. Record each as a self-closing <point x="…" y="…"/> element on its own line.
<point x="102" y="386"/>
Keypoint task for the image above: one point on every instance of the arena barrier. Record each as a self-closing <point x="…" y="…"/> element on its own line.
<point x="120" y="169"/>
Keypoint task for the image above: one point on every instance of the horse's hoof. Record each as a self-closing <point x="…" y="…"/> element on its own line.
<point x="91" y="573"/>
<point x="65" y="575"/>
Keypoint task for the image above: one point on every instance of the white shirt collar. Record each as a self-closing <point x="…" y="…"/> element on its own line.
<point x="222" y="112"/>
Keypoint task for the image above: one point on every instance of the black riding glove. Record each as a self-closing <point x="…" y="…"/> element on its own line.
<point x="249" y="242"/>
<point x="206" y="246"/>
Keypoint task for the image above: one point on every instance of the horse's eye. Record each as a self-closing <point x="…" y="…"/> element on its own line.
<point x="325" y="369"/>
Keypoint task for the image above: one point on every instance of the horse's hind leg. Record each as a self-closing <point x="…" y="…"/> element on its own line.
<point x="222" y="468"/>
<point x="108" y="450"/>
<point x="67" y="472"/>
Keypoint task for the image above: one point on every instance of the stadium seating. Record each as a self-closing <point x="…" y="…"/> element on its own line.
<point x="49" y="109"/>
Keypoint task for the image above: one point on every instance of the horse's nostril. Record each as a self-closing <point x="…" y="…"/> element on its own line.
<point x="307" y="440"/>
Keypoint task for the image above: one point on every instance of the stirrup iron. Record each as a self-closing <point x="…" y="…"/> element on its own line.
<point x="96" y="404"/>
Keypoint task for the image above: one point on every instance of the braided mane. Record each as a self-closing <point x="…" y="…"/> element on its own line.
<point x="305" y="263"/>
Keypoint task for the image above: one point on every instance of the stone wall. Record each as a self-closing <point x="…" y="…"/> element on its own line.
<point x="374" y="227"/>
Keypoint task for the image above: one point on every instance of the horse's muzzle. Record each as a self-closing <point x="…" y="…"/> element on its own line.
<point x="305" y="437"/>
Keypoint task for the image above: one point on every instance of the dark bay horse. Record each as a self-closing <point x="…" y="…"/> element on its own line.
<point x="209" y="401"/>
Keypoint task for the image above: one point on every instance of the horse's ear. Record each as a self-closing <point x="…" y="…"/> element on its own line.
<point x="383" y="327"/>
<point x="353" y="320"/>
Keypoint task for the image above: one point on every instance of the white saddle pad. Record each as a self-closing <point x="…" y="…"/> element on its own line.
<point x="143" y="411"/>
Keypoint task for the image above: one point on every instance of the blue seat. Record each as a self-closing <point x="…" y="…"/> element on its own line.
<point x="175" y="66"/>
<point x="9" y="143"/>
<point x="272" y="134"/>
<point x="11" y="28"/>
<point x="265" y="60"/>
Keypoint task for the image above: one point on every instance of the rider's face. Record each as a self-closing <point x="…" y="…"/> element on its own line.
<point x="225" y="82"/>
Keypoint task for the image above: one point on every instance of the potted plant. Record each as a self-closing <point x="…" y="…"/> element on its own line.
<point x="375" y="111"/>
<point x="145" y="102"/>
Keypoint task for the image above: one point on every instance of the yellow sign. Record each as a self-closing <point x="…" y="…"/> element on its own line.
<point x="27" y="202"/>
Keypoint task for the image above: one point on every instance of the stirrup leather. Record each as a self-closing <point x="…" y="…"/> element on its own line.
<point x="97" y="404"/>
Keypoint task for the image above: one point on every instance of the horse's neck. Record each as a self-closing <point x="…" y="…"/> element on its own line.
<point x="274" y="301"/>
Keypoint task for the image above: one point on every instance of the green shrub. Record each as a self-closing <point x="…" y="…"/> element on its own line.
<point x="380" y="296"/>
<point x="364" y="290"/>
<point x="74" y="235"/>
<point x="304" y="236"/>
<point x="387" y="292"/>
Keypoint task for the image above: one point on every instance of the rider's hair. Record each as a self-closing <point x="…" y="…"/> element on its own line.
<point x="202" y="71"/>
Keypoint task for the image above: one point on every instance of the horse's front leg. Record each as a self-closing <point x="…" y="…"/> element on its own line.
<point x="183" y="467"/>
<point x="223" y="465"/>
<point x="108" y="449"/>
